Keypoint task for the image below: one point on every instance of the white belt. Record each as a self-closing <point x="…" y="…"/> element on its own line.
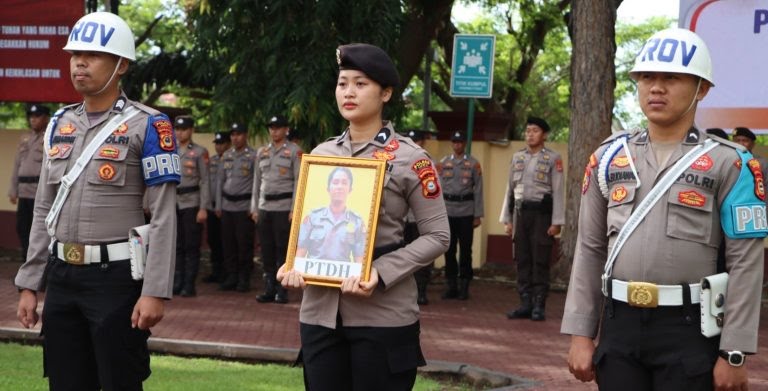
<point x="648" y="295"/>
<point x="80" y="254"/>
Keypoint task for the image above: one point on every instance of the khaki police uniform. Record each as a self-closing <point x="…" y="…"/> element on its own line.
<point x="676" y="243"/>
<point x="274" y="184"/>
<point x="26" y="174"/>
<point x="193" y="194"/>
<point x="461" y="178"/>
<point x="91" y="304"/>
<point x="325" y="237"/>
<point x="233" y="194"/>
<point x="535" y="202"/>
<point x="213" y="224"/>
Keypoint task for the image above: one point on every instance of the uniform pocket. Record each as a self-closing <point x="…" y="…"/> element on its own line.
<point x="620" y="201"/>
<point x="690" y="214"/>
<point x="108" y="166"/>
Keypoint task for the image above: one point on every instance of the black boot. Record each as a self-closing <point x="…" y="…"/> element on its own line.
<point x="229" y="283"/>
<point x="282" y="294"/>
<point x="244" y="283"/>
<point x="422" y="298"/>
<point x="464" y="289"/>
<point x="453" y="291"/>
<point x="269" y="290"/>
<point x="178" y="281"/>
<point x="538" y="308"/>
<point x="524" y="311"/>
<point x="190" y="275"/>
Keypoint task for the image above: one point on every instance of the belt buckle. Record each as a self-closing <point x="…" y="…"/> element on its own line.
<point x="642" y="294"/>
<point x="74" y="253"/>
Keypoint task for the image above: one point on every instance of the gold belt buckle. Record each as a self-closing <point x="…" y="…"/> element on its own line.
<point x="642" y="294"/>
<point x="74" y="253"/>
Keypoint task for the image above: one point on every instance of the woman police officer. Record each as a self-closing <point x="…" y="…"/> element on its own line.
<point x="365" y="336"/>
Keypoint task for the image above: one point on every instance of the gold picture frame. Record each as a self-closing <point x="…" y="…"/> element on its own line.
<point x="335" y="214"/>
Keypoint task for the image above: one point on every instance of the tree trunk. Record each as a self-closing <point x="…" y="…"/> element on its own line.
<point x="593" y="79"/>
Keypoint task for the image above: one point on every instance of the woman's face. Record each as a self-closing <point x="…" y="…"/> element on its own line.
<point x="359" y="98"/>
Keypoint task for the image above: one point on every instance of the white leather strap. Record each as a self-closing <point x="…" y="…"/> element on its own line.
<point x="669" y="295"/>
<point x="92" y="254"/>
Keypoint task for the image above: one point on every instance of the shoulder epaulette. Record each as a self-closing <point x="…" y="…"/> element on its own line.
<point x="728" y="143"/>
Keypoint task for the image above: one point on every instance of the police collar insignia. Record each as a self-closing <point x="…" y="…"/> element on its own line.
<point x="693" y="136"/>
<point x="643" y="138"/>
<point x="383" y="135"/>
<point x="119" y="104"/>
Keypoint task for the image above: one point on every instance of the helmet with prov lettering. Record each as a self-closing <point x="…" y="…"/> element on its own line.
<point x="102" y="32"/>
<point x="674" y="50"/>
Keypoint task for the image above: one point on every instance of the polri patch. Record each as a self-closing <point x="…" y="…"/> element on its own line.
<point x="109" y="152"/>
<point x="585" y="181"/>
<point x="559" y="165"/>
<point x="67" y="129"/>
<point x="754" y="167"/>
<point x="620" y="161"/>
<point x="619" y="194"/>
<point x="691" y="198"/>
<point x="53" y="151"/>
<point x="107" y="172"/>
<point x="121" y="130"/>
<point x="392" y="146"/>
<point x="164" y="130"/>
<point x="430" y="187"/>
<point x="383" y="155"/>
<point x="703" y="163"/>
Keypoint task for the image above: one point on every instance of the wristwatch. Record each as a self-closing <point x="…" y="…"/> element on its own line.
<point x="734" y="357"/>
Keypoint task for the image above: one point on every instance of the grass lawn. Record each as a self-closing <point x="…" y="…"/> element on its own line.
<point x="22" y="368"/>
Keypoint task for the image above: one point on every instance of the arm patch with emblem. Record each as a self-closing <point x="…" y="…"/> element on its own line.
<point x="742" y="214"/>
<point x="160" y="161"/>
<point x="430" y="187"/>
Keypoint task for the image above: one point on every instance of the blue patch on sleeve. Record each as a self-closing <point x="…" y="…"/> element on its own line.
<point x="742" y="214"/>
<point x="158" y="164"/>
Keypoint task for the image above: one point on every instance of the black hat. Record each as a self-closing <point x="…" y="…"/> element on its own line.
<point x="369" y="59"/>
<point x="458" y="136"/>
<point x="742" y="131"/>
<point x="238" y="128"/>
<point x="718" y="132"/>
<point x="221" y="138"/>
<point x="184" y="122"/>
<point x="415" y="135"/>
<point x="277" y="121"/>
<point x="37" y="109"/>
<point x="538" y="122"/>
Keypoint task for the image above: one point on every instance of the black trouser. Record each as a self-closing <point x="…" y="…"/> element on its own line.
<point x="237" y="232"/>
<point x="88" y="341"/>
<point x="213" y="226"/>
<point x="533" y="250"/>
<point x="24" y="223"/>
<point x="189" y="234"/>
<point x="274" y="228"/>
<point x="654" y="349"/>
<point x="410" y="233"/>
<point x="461" y="232"/>
<point x="360" y="358"/>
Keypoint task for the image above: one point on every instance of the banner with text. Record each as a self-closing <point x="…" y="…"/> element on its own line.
<point x="33" y="68"/>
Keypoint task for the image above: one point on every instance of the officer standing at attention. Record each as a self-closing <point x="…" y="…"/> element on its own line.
<point x="533" y="214"/>
<point x="274" y="183"/>
<point x="221" y="144"/>
<point x="648" y="311"/>
<point x="745" y="137"/>
<point x="412" y="232"/>
<point x="233" y="203"/>
<point x="462" y="180"/>
<point x="26" y="172"/>
<point x="365" y="336"/>
<point x="193" y="198"/>
<point x="96" y="317"/>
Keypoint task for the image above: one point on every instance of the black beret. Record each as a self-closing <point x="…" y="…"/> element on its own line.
<point x="184" y="122"/>
<point x="415" y="135"/>
<point x="741" y="131"/>
<point x="538" y="122"/>
<point x="36" y="109"/>
<point x="239" y="128"/>
<point x="221" y="138"/>
<point x="458" y="136"/>
<point x="369" y="59"/>
<point x="718" y="132"/>
<point x="278" y="121"/>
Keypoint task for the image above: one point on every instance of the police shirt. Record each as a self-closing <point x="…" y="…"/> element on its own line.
<point x="236" y="180"/>
<point x="29" y="160"/>
<point x="410" y="181"/>
<point x="539" y="173"/>
<point x="326" y="237"/>
<point x="462" y="177"/>
<point x="194" y="173"/>
<point x="214" y="172"/>
<point x="106" y="200"/>
<point x="276" y="174"/>
<point x="677" y="242"/>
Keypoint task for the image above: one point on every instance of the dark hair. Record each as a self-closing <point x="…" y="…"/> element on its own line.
<point x="345" y="170"/>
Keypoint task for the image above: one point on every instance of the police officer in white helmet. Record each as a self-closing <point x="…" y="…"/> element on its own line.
<point x="97" y="313"/>
<point x="637" y="280"/>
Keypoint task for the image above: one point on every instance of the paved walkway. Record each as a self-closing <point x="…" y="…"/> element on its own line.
<point x="473" y="333"/>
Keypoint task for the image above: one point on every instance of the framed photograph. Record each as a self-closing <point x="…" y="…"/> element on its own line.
<point x="335" y="212"/>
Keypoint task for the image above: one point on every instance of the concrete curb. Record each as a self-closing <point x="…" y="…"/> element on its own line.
<point x="479" y="377"/>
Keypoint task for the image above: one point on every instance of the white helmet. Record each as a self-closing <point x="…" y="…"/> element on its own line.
<point x="674" y="50"/>
<point x="102" y="32"/>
